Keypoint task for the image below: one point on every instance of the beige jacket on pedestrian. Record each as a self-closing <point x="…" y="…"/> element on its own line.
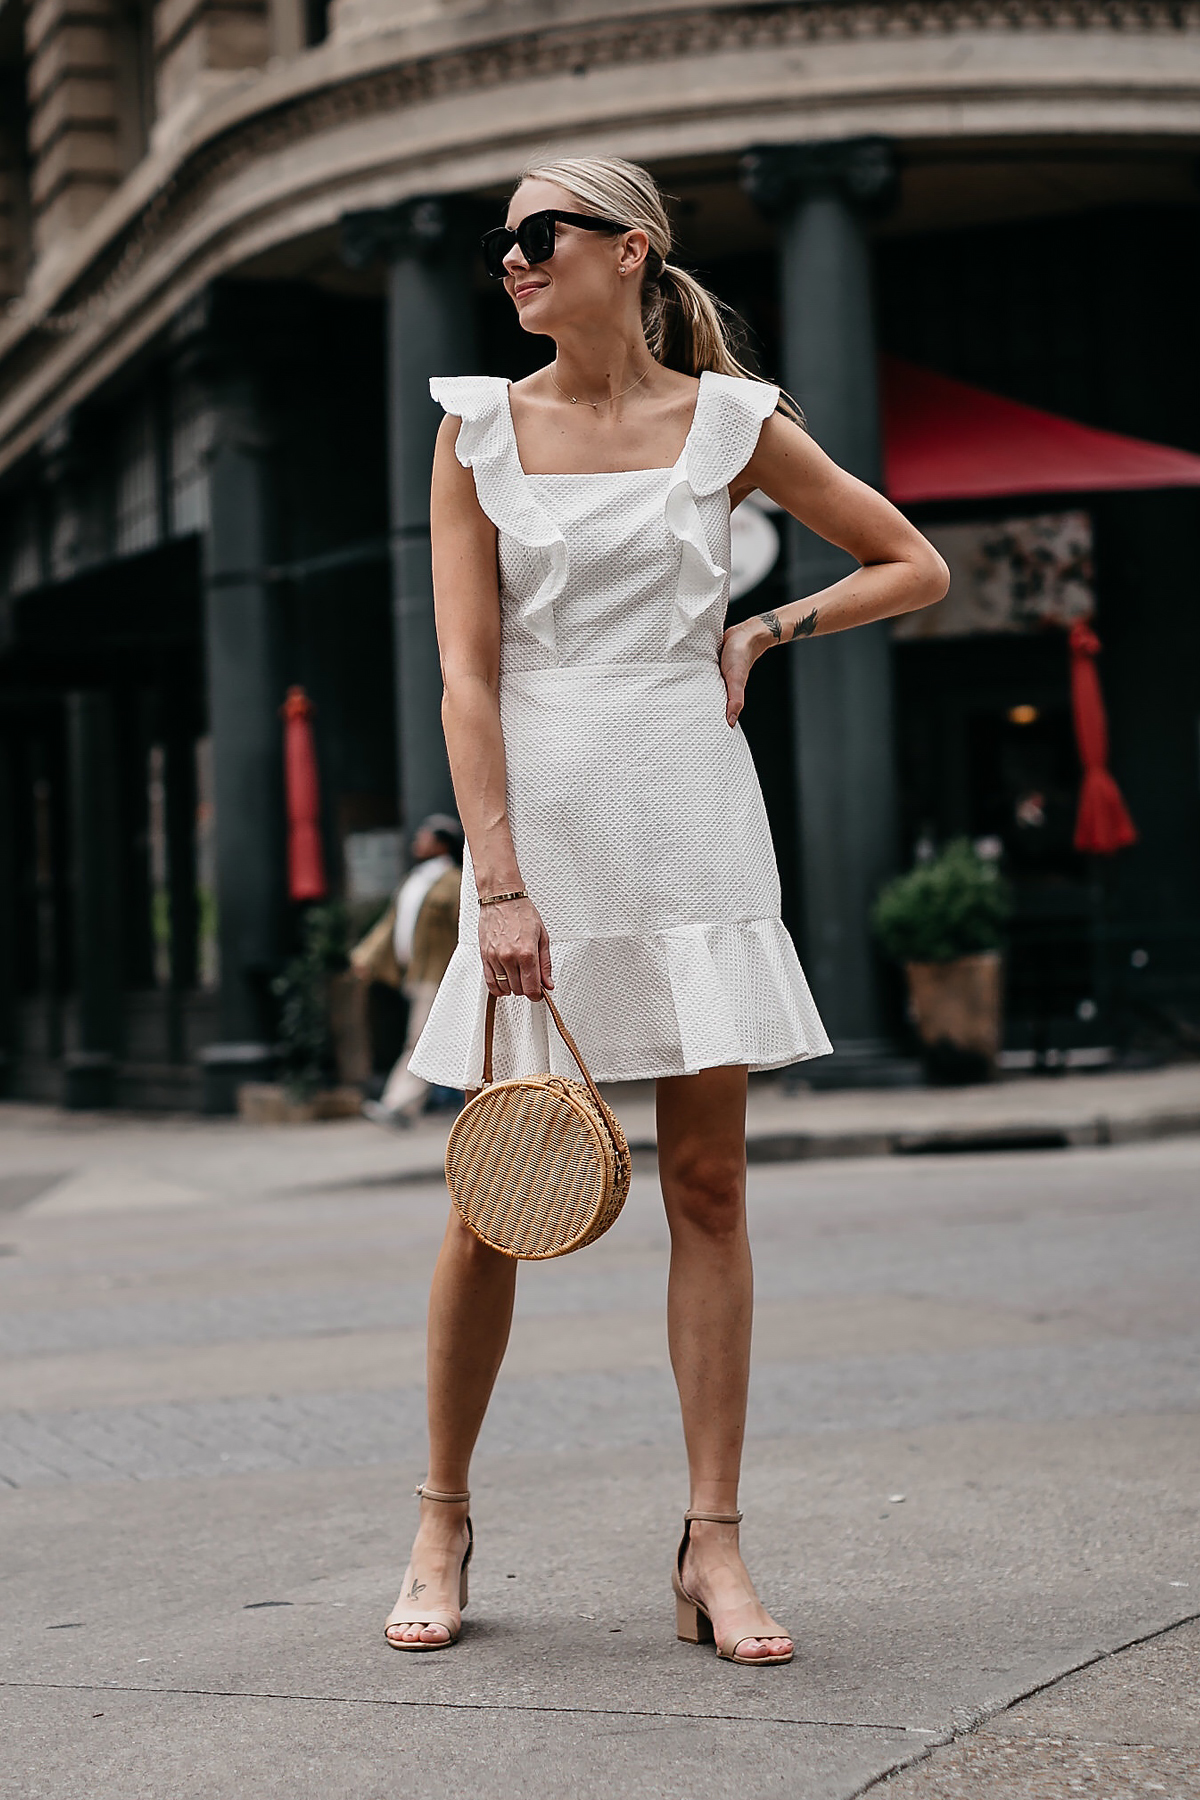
<point x="435" y="934"/>
<point x="434" y="938"/>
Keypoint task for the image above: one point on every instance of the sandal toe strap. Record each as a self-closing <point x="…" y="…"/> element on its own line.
<point x="411" y="1616"/>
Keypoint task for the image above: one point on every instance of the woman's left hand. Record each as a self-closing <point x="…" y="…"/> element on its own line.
<point x="741" y="648"/>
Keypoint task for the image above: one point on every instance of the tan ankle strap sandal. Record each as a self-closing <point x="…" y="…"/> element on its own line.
<point x="692" y="1622"/>
<point x="407" y="1611"/>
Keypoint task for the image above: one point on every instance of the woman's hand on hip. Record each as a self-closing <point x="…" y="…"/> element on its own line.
<point x="741" y="648"/>
<point x="515" y="949"/>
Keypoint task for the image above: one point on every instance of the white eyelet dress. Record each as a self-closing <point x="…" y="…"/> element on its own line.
<point x="636" y="813"/>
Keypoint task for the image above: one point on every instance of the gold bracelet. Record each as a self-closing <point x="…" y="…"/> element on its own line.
<point x="498" y="899"/>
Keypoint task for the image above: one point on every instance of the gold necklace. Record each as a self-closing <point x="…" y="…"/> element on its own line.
<point x="612" y="398"/>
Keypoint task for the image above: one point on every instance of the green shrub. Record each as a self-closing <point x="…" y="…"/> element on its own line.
<point x="303" y="992"/>
<point x="953" y="905"/>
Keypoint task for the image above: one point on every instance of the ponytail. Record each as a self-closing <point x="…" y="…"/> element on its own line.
<point x="686" y="327"/>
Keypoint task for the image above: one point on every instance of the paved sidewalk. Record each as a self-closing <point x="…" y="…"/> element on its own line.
<point x="95" y="1161"/>
<point x="1046" y="1112"/>
<point x="971" y="1478"/>
<point x="1126" y="1724"/>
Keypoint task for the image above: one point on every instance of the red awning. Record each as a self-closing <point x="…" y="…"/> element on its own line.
<point x="944" y="440"/>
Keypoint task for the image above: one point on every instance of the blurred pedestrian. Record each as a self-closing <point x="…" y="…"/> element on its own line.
<point x="410" y="947"/>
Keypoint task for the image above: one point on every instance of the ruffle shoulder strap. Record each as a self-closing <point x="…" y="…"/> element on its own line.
<point x="725" y="429"/>
<point x="481" y="403"/>
<point x="731" y="411"/>
<point x="487" y="445"/>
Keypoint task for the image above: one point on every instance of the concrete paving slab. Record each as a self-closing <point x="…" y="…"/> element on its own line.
<point x="1128" y="1724"/>
<point x="147" y="1746"/>
<point x="1009" y="1344"/>
<point x="990" y="1768"/>
<point x="1018" y="1551"/>
<point x="1149" y="1694"/>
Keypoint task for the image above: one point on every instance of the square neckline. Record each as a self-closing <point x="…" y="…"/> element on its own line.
<point x="600" y="474"/>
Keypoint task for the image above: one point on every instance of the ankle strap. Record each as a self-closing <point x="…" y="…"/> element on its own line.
<point x="428" y="1493"/>
<point x="708" y="1518"/>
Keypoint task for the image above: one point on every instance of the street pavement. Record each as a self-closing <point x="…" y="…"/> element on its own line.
<point x="972" y="1481"/>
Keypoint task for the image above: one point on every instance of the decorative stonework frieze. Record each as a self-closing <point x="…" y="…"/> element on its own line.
<point x="555" y="51"/>
<point x="709" y="39"/>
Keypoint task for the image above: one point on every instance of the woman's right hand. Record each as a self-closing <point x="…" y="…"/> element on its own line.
<point x="515" y="948"/>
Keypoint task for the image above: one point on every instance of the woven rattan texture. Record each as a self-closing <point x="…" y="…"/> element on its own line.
<point x="536" y="1169"/>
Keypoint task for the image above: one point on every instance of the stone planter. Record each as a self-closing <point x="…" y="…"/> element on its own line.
<point x="349" y="1030"/>
<point x="267" y="1103"/>
<point x="957" y="1009"/>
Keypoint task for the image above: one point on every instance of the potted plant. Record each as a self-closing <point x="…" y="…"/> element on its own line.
<point x="945" y="922"/>
<point x="306" y="1031"/>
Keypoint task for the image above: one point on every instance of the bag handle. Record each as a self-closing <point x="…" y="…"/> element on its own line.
<point x="489" y="1028"/>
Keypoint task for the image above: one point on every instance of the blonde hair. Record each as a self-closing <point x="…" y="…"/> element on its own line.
<point x="686" y="327"/>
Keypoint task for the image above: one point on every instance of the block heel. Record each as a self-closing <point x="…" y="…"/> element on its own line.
<point x="692" y="1623"/>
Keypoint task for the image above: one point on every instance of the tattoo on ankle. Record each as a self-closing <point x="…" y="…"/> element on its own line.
<point x="807" y="625"/>
<point x="771" y="621"/>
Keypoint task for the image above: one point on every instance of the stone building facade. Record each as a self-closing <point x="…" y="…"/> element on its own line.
<point x="236" y="237"/>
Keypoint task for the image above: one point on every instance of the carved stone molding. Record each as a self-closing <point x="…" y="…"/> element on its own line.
<point x="555" y="51"/>
<point x="199" y="214"/>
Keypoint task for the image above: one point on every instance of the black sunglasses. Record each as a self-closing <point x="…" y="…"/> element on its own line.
<point x="535" y="238"/>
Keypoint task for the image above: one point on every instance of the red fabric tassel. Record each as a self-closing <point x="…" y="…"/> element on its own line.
<point x="1102" y="824"/>
<point x="306" y="855"/>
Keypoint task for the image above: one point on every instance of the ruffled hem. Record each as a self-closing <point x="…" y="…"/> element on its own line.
<point x="641" y="1008"/>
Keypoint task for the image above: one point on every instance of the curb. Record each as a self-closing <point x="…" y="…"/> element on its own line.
<point x="829" y="1146"/>
<point x="813" y="1146"/>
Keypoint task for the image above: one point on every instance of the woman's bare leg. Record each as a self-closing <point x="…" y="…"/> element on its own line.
<point x="710" y="1299"/>
<point x="470" y="1313"/>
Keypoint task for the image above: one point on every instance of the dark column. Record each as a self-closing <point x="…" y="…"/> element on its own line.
<point x="430" y="331"/>
<point x="8" y="923"/>
<point x="179" y="738"/>
<point x="244" y="695"/>
<point x="842" y="698"/>
<point x="89" y="1066"/>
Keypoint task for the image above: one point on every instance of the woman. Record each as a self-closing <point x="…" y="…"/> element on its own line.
<point x="616" y="831"/>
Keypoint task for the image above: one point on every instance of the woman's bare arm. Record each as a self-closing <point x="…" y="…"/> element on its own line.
<point x="899" y="570"/>
<point x="466" y="588"/>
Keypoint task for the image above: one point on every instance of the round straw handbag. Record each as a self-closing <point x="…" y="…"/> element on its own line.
<point x="539" y="1165"/>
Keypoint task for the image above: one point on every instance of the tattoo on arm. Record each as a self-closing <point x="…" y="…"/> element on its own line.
<point x="803" y="628"/>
